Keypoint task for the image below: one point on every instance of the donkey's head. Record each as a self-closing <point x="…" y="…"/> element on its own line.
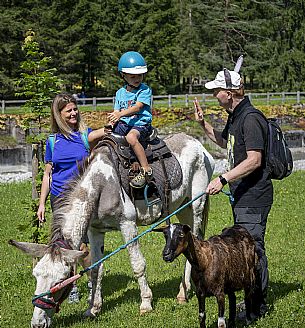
<point x="175" y="239"/>
<point x="55" y="265"/>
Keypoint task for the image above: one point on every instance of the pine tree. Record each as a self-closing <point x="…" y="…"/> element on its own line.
<point x="11" y="34"/>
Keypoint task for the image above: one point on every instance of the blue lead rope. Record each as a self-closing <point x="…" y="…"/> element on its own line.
<point x="141" y="234"/>
<point x="149" y="230"/>
<point x="227" y="193"/>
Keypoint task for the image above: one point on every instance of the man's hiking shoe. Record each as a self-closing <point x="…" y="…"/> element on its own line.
<point x="139" y="181"/>
<point x="74" y="295"/>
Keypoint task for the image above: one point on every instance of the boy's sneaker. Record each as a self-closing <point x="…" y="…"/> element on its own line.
<point x="140" y="180"/>
<point x="74" y="295"/>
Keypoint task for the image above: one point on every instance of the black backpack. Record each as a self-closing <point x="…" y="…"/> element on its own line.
<point x="278" y="156"/>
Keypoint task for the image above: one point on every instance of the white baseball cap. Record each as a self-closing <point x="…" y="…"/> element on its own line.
<point x="225" y="79"/>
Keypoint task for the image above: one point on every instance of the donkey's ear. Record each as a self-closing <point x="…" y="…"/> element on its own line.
<point x="36" y="250"/>
<point x="160" y="229"/>
<point x="72" y="255"/>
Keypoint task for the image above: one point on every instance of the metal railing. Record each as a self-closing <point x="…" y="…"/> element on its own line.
<point x="185" y="100"/>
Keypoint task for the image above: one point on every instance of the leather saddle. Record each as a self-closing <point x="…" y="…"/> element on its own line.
<point x="167" y="173"/>
<point x="153" y="146"/>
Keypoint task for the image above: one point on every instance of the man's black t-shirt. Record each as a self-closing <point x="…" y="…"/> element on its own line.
<point x="247" y="130"/>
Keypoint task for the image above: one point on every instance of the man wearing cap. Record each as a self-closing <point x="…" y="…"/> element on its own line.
<point x="244" y="136"/>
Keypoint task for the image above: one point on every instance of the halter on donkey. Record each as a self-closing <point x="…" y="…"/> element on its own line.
<point x="96" y="203"/>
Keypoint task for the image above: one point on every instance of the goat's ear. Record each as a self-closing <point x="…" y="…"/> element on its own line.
<point x="160" y="229"/>
<point x="186" y="228"/>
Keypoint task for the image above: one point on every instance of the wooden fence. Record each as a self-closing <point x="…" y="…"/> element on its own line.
<point x="186" y="100"/>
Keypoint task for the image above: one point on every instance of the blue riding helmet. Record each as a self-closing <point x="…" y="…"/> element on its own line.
<point x="132" y="62"/>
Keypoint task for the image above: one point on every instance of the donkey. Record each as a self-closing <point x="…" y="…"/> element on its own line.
<point x="96" y="203"/>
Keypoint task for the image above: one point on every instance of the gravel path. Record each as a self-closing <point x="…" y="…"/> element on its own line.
<point x="220" y="167"/>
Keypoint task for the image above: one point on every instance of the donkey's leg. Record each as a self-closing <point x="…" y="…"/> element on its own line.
<point x="96" y="240"/>
<point x="129" y="231"/>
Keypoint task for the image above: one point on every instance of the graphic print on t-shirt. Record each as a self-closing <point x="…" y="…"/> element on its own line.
<point x="230" y="151"/>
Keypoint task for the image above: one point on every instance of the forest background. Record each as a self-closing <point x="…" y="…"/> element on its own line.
<point x="184" y="42"/>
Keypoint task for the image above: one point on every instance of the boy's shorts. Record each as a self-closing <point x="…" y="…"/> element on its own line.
<point x="122" y="129"/>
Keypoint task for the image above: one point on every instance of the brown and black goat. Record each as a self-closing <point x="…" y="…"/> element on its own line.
<point x="221" y="265"/>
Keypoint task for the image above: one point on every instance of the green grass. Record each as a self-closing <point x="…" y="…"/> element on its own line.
<point x="285" y="243"/>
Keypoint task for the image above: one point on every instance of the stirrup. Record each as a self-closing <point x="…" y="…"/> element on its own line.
<point x="152" y="202"/>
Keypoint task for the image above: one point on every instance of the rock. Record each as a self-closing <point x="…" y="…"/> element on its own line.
<point x="15" y="177"/>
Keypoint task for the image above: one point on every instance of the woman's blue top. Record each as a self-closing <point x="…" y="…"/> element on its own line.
<point x="67" y="153"/>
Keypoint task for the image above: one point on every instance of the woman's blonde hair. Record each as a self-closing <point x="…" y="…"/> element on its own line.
<point x="58" y="125"/>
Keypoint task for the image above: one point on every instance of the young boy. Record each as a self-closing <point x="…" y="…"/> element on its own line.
<point x="132" y="110"/>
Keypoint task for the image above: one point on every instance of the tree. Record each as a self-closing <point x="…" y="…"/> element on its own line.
<point x="190" y="45"/>
<point x="284" y="53"/>
<point x="153" y="34"/>
<point x="38" y="84"/>
<point x="182" y="40"/>
<point x="10" y="51"/>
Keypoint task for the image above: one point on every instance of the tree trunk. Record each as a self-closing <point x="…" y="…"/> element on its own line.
<point x="35" y="163"/>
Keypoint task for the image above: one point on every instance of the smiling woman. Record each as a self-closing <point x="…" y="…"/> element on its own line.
<point x="69" y="115"/>
<point x="65" y="150"/>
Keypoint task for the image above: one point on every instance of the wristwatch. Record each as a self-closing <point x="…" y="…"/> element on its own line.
<point x="223" y="180"/>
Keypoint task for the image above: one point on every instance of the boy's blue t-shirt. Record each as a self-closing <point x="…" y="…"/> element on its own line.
<point x="66" y="154"/>
<point x="125" y="99"/>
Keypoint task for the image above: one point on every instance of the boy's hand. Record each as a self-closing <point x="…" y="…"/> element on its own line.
<point x="114" y="116"/>
<point x="198" y="110"/>
<point x="108" y="128"/>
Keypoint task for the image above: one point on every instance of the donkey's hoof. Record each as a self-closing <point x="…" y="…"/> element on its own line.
<point x="89" y="314"/>
<point x="181" y="300"/>
<point x="144" y="310"/>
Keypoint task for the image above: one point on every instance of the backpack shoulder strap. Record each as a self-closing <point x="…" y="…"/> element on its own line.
<point x="84" y="136"/>
<point x="253" y="110"/>
<point x="52" y="138"/>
